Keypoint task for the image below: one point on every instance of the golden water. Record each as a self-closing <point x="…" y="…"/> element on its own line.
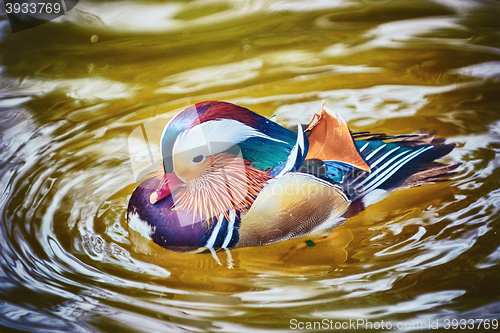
<point x="72" y="92"/>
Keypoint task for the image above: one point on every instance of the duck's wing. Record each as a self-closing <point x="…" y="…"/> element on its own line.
<point x="362" y="161"/>
<point x="289" y="207"/>
<point x="400" y="161"/>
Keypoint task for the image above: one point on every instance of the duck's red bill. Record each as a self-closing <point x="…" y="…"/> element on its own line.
<point x="168" y="184"/>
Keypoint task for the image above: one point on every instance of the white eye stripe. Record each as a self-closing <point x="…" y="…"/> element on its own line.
<point x="226" y="132"/>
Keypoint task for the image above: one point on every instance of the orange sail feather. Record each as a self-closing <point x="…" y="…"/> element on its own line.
<point x="330" y="140"/>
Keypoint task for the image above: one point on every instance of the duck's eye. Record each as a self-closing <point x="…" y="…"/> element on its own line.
<point x="198" y="159"/>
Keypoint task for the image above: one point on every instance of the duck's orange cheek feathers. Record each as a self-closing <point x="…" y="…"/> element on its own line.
<point x="228" y="184"/>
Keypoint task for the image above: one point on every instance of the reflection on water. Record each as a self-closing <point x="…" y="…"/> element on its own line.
<point x="72" y="92"/>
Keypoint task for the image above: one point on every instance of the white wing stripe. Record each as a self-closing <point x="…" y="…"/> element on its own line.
<point x="230" y="229"/>
<point x="383" y="157"/>
<point x="215" y="233"/>
<point x="374" y="152"/>
<point x="373" y="173"/>
<point x="388" y="173"/>
<point x="364" y="146"/>
<point x="380" y="169"/>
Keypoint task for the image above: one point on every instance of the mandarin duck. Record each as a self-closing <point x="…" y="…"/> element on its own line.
<point x="232" y="178"/>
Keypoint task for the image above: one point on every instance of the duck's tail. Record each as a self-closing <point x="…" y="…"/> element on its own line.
<point x="396" y="162"/>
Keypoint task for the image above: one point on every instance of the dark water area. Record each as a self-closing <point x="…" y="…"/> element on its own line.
<point x="74" y="93"/>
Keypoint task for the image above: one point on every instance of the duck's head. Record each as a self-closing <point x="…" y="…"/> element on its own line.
<point x="217" y="156"/>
